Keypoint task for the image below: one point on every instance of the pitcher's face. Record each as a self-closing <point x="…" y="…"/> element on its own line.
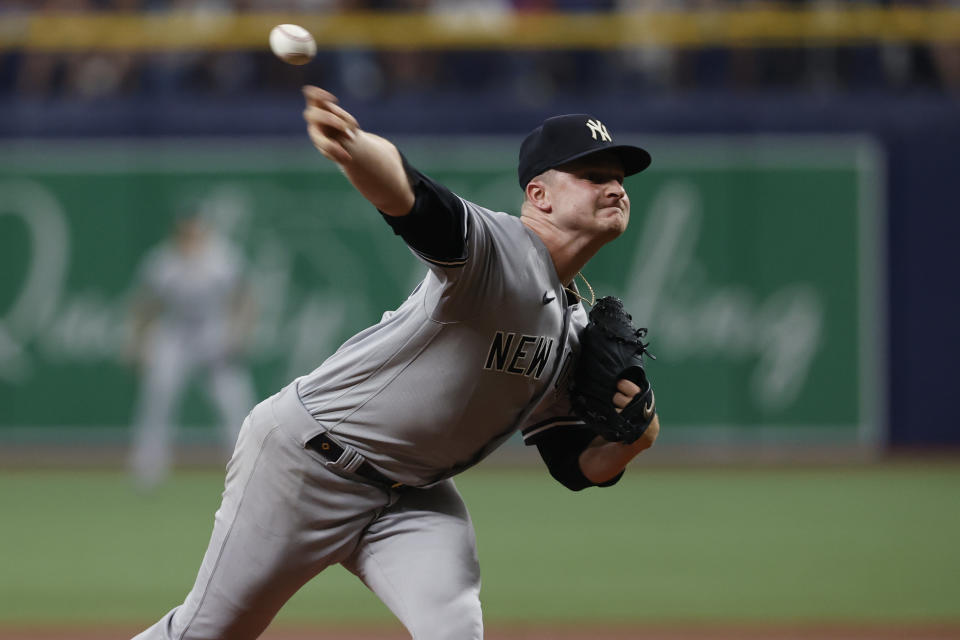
<point x="588" y="195"/>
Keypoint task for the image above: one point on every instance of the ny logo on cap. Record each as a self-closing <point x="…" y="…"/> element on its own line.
<point x="596" y="128"/>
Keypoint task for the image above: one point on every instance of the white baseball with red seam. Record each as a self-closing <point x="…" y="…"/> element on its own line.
<point x="292" y="43"/>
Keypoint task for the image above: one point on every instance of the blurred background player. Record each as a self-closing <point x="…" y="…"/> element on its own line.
<point x="193" y="313"/>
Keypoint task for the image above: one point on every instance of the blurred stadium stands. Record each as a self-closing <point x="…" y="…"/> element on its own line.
<point x="890" y="70"/>
<point x="526" y="54"/>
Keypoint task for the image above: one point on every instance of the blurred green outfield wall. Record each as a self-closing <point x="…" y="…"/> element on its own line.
<point x="754" y="261"/>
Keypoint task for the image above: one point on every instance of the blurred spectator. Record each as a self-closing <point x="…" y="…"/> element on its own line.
<point x="78" y="75"/>
<point x="202" y="72"/>
<point x="947" y="59"/>
<point x="651" y="66"/>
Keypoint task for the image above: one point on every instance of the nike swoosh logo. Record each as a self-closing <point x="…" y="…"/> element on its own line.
<point x="547" y="298"/>
<point x="648" y="408"/>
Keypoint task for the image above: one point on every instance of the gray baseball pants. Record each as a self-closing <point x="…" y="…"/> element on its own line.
<point x="287" y="514"/>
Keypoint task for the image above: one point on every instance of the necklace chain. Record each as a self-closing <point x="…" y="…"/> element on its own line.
<point x="593" y="297"/>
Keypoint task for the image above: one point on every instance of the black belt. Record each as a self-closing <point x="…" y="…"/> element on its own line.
<point x="332" y="452"/>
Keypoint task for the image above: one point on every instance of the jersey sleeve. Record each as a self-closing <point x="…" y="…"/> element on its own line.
<point x="437" y="226"/>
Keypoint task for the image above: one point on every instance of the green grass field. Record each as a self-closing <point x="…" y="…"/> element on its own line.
<point x="797" y="545"/>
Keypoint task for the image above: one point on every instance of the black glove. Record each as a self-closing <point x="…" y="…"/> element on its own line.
<point x="612" y="349"/>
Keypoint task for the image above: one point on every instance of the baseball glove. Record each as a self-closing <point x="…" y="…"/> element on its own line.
<point x="611" y="349"/>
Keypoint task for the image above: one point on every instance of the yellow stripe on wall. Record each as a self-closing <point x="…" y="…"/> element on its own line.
<point x="763" y="26"/>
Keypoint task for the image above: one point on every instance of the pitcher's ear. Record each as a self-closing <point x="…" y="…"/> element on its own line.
<point x="538" y="195"/>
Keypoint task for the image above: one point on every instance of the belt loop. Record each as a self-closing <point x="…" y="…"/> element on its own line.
<point x="350" y="460"/>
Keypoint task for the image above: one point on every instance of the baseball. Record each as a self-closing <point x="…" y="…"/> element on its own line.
<point x="292" y="43"/>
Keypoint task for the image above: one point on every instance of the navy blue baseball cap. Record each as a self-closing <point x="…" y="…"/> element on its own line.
<point x="565" y="138"/>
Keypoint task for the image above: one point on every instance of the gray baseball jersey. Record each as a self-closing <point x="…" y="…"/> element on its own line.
<point x="475" y="353"/>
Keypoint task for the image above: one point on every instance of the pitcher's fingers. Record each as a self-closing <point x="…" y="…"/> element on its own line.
<point x="344" y="114"/>
<point x="317" y="95"/>
<point x="620" y="400"/>
<point x="330" y="148"/>
<point x="317" y="116"/>
<point x="627" y="387"/>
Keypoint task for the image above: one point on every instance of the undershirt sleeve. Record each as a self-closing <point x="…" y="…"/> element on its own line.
<point x="560" y="447"/>
<point x="436" y="227"/>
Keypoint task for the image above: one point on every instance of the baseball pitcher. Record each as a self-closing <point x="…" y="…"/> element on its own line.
<point x="352" y="463"/>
